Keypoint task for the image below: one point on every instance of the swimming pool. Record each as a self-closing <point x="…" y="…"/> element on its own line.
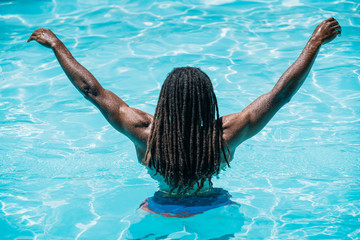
<point x="66" y="174"/>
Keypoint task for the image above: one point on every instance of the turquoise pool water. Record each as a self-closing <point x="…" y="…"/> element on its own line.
<point x="66" y="174"/>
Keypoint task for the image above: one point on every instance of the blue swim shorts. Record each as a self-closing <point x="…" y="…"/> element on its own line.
<point x="187" y="206"/>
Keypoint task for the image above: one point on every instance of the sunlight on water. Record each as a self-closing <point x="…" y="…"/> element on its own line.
<point x="67" y="174"/>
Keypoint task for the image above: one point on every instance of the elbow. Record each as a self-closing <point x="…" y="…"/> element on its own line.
<point x="282" y="97"/>
<point x="286" y="98"/>
<point x="90" y="92"/>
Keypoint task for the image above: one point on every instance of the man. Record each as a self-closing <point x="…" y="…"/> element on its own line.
<point x="186" y="142"/>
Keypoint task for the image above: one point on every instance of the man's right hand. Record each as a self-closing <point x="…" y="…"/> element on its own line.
<point x="326" y="31"/>
<point x="45" y="37"/>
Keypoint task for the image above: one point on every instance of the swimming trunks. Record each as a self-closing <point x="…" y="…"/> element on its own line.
<point x="187" y="206"/>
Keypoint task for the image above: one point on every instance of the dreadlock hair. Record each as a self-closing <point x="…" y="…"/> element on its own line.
<point x="186" y="141"/>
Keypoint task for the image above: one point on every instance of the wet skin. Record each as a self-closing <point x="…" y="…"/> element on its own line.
<point x="237" y="127"/>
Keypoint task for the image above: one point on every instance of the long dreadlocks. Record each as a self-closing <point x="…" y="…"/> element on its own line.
<point x="186" y="142"/>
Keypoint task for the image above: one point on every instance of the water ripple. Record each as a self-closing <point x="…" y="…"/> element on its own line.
<point x="65" y="173"/>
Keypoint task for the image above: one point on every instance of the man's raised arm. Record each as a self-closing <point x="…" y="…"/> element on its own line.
<point x="132" y="122"/>
<point x="238" y="127"/>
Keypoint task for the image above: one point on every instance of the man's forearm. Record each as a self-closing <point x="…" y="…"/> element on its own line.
<point x="296" y="74"/>
<point x="82" y="79"/>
